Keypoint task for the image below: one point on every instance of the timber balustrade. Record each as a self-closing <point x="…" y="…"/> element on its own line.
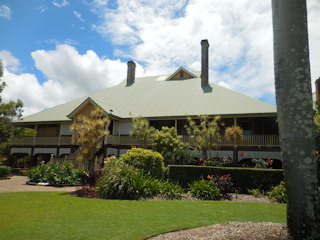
<point x="246" y="140"/>
<point x="64" y="140"/>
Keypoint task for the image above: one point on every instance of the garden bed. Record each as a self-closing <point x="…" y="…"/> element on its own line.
<point x="50" y="185"/>
<point x="232" y="197"/>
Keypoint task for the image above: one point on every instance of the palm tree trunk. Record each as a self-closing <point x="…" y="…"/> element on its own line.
<point x="294" y="104"/>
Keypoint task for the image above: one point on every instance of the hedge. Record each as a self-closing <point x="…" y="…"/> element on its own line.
<point x="242" y="178"/>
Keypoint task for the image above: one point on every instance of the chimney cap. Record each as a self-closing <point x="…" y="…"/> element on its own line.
<point x="131" y="62"/>
<point x="204" y="42"/>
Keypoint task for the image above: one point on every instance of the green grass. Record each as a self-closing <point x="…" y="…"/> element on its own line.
<point x="56" y="215"/>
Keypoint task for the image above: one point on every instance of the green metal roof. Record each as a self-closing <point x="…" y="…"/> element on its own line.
<point x="155" y="97"/>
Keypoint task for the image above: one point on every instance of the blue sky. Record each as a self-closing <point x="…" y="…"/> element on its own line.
<point x="41" y="24"/>
<point x="57" y="50"/>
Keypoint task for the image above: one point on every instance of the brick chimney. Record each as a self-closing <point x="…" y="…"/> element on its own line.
<point x="204" y="63"/>
<point x="131" y="73"/>
<point x="317" y="82"/>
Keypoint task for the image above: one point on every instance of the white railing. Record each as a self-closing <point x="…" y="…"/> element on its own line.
<point x="253" y="140"/>
<point x="247" y="140"/>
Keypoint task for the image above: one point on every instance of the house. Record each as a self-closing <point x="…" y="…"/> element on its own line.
<point x="165" y="100"/>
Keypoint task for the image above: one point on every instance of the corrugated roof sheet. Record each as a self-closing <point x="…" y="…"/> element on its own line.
<point x="156" y="97"/>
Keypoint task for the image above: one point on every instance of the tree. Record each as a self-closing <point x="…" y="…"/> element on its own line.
<point x="295" y="118"/>
<point x="206" y="135"/>
<point x="8" y="112"/>
<point x="88" y="133"/>
<point x="166" y="141"/>
<point x="141" y="131"/>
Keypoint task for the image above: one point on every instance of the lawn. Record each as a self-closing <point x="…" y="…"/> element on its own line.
<point x="57" y="215"/>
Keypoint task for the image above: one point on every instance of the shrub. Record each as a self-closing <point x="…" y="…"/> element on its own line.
<point x="259" y="163"/>
<point x="115" y="182"/>
<point x="243" y="179"/>
<point x="5" y="171"/>
<point x="225" y="162"/>
<point x="63" y="175"/>
<point x="256" y="192"/>
<point x="279" y="193"/>
<point x="55" y="174"/>
<point x="180" y="156"/>
<point x="223" y="182"/>
<point x="123" y="181"/>
<point x="38" y="174"/>
<point x="152" y="188"/>
<point x="211" y="162"/>
<point x="206" y="190"/>
<point x="18" y="161"/>
<point x="170" y="190"/>
<point x="148" y="161"/>
<point x="2" y="159"/>
<point x="144" y="186"/>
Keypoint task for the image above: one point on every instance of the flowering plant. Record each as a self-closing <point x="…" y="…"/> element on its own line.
<point x="223" y="182"/>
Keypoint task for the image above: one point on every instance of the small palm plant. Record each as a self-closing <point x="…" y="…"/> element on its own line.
<point x="234" y="134"/>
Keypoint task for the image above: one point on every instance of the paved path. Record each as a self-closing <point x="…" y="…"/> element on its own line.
<point x="17" y="183"/>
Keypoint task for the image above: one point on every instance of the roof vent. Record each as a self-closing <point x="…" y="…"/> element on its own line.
<point x="204" y="63"/>
<point x="131" y="73"/>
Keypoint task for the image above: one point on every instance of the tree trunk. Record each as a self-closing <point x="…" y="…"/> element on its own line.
<point x="204" y="154"/>
<point x="295" y="117"/>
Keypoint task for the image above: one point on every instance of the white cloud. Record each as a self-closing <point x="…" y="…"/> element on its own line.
<point x="70" y="75"/>
<point x="42" y="8"/>
<point x="164" y="35"/>
<point x="79" y="16"/>
<point x="5" y="11"/>
<point x="60" y="3"/>
<point x="54" y="41"/>
<point x="9" y="61"/>
<point x="100" y="2"/>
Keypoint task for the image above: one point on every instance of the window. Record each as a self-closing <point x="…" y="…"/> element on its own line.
<point x="181" y="74"/>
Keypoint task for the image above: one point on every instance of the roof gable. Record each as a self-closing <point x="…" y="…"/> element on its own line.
<point x="180" y="74"/>
<point x="84" y="108"/>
